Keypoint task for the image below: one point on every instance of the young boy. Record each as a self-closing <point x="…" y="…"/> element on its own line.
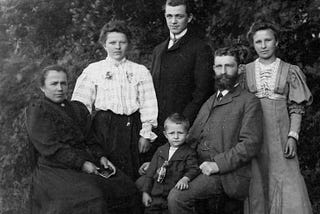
<point x="172" y="166"/>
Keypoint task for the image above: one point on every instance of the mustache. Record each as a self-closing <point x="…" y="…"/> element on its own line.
<point x="224" y="76"/>
<point x="226" y="81"/>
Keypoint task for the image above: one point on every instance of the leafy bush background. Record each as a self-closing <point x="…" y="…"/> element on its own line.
<point x="36" y="33"/>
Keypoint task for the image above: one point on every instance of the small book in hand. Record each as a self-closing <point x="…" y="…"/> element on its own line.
<point x="106" y="172"/>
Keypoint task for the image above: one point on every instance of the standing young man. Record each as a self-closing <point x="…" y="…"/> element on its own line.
<point x="181" y="68"/>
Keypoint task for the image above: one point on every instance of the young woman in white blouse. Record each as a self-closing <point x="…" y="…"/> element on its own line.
<point x="121" y="94"/>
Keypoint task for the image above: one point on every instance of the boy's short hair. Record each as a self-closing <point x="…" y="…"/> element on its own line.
<point x="177" y="119"/>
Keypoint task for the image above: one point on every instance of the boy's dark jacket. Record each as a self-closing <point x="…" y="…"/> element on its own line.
<point x="183" y="163"/>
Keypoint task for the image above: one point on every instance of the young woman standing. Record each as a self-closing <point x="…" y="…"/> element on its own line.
<point x="284" y="94"/>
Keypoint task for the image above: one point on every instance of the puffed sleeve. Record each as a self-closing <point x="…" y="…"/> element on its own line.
<point x="148" y="104"/>
<point x="85" y="90"/>
<point x="46" y="138"/>
<point x="299" y="94"/>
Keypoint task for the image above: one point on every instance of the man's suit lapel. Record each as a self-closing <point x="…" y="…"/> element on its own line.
<point x="156" y="69"/>
<point x="180" y="42"/>
<point x="163" y="47"/>
<point x="227" y="98"/>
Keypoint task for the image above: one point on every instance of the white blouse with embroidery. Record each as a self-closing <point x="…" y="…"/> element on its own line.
<point x="266" y="79"/>
<point x="122" y="87"/>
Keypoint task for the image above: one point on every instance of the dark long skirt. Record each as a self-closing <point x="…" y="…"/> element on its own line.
<point x="67" y="191"/>
<point x="119" y="136"/>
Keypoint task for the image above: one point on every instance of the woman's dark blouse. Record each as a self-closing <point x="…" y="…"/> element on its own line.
<point x="60" y="134"/>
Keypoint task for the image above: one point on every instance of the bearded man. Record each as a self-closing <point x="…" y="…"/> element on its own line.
<point x="227" y="134"/>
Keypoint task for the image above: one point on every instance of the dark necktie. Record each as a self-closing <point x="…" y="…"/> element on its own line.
<point x="219" y="98"/>
<point x="174" y="40"/>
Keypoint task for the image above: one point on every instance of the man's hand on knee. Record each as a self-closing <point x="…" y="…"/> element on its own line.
<point x="209" y="168"/>
<point x="146" y="199"/>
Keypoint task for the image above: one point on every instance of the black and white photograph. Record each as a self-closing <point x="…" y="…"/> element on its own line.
<point x="160" y="107"/>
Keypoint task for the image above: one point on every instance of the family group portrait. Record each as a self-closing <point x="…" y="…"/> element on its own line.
<point x="160" y="107"/>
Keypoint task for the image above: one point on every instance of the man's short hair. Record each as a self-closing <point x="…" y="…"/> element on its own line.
<point x="173" y="3"/>
<point x="177" y="119"/>
<point x="239" y="52"/>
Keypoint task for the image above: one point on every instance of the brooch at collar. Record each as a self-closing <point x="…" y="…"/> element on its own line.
<point x="129" y="76"/>
<point x="109" y="75"/>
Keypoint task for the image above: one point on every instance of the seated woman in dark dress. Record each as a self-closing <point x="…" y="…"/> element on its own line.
<point x="66" y="178"/>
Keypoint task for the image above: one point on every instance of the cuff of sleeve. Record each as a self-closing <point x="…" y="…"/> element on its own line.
<point x="295" y="123"/>
<point x="79" y="163"/>
<point x="221" y="162"/>
<point x="294" y="135"/>
<point x="148" y="134"/>
<point x="147" y="186"/>
<point x="190" y="176"/>
<point x="296" y="108"/>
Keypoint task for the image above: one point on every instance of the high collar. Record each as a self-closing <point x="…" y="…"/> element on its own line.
<point x="60" y="104"/>
<point x="224" y="92"/>
<point x="276" y="61"/>
<point x="180" y="42"/>
<point x="178" y="36"/>
<point x="115" y="62"/>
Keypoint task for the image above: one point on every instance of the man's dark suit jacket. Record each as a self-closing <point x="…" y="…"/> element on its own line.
<point x="183" y="163"/>
<point x="182" y="76"/>
<point x="229" y="133"/>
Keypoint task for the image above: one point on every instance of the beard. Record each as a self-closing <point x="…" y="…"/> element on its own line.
<point x="225" y="81"/>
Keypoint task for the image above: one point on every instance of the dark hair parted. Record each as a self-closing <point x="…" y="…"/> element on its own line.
<point x="238" y="51"/>
<point x="263" y="25"/>
<point x="44" y="72"/>
<point x="118" y="26"/>
<point x="177" y="119"/>
<point x="173" y="3"/>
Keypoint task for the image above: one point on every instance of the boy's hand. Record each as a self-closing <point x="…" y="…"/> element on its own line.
<point x="183" y="183"/>
<point x="146" y="199"/>
<point x="143" y="168"/>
